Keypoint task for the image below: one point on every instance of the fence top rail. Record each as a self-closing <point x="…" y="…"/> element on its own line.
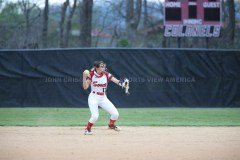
<point x="150" y="49"/>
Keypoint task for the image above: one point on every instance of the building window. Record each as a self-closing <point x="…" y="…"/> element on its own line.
<point x="212" y="14"/>
<point x="173" y="14"/>
<point x="192" y="12"/>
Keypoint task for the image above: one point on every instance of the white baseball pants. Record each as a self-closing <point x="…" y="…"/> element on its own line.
<point x="95" y="100"/>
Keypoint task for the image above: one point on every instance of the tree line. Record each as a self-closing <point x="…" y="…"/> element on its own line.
<point x="28" y="24"/>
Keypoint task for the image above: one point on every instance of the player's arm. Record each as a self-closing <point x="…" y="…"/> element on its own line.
<point x="86" y="81"/>
<point x="115" y="80"/>
<point x="124" y="84"/>
<point x="118" y="82"/>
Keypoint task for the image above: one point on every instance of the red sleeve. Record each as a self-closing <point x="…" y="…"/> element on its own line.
<point x="109" y="75"/>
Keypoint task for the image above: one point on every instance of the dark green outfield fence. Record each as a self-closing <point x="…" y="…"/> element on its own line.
<point x="159" y="77"/>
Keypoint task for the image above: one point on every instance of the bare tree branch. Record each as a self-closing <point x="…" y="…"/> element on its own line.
<point x="86" y="23"/>
<point x="102" y="27"/>
<point x="62" y="21"/>
<point x="69" y="23"/>
<point x="45" y="24"/>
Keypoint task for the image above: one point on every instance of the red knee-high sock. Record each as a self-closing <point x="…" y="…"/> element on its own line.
<point x="111" y="122"/>
<point x="89" y="126"/>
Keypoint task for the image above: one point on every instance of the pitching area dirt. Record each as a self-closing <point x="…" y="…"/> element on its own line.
<point x="132" y="143"/>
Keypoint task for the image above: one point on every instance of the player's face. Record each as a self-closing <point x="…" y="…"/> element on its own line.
<point x="102" y="68"/>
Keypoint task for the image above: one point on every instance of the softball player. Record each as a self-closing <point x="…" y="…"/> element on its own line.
<point x="98" y="78"/>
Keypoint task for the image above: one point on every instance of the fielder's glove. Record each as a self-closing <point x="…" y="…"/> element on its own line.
<point x="125" y="84"/>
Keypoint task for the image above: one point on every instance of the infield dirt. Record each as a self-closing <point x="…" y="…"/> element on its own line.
<point x="132" y="143"/>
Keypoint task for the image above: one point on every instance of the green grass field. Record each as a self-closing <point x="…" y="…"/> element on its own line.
<point x="128" y="117"/>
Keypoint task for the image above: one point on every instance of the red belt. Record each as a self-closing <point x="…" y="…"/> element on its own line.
<point x="98" y="93"/>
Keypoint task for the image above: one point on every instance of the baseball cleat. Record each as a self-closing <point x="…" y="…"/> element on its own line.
<point x="116" y="128"/>
<point x="88" y="132"/>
